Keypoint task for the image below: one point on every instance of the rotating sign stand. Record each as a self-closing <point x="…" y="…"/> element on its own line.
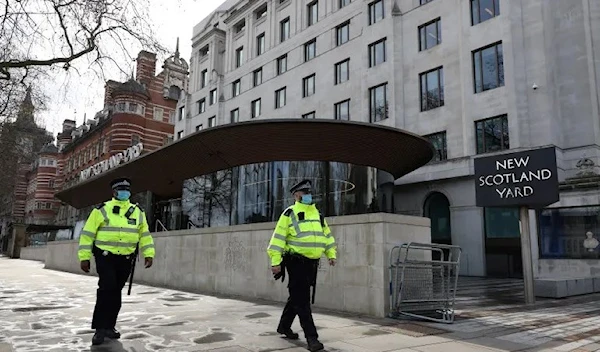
<point x="524" y="179"/>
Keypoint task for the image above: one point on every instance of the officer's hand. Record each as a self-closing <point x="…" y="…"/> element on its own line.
<point x="85" y="265"/>
<point x="332" y="262"/>
<point x="276" y="269"/>
<point x="148" y="262"/>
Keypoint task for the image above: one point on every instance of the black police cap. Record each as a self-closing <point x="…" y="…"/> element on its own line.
<point x="122" y="182"/>
<point x="301" y="186"/>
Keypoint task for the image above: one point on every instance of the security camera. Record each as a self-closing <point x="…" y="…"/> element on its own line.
<point x="535" y="86"/>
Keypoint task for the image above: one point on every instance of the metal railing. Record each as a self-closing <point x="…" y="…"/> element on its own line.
<point x="157" y="223"/>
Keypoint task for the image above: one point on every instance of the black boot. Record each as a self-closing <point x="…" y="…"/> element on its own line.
<point x="112" y="333"/>
<point x="314" y="345"/>
<point x="99" y="336"/>
<point x="289" y="334"/>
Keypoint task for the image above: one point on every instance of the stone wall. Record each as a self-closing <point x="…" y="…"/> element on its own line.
<point x="34" y="253"/>
<point x="233" y="260"/>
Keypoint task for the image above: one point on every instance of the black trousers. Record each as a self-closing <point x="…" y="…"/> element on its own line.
<point x="113" y="272"/>
<point x="301" y="273"/>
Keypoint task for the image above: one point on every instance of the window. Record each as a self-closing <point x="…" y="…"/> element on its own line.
<point x="260" y="44"/>
<point x="284" y="30"/>
<point x="257" y="77"/>
<point x="158" y="113"/>
<point x="234" y="115"/>
<point x="256" y="108"/>
<point x="201" y="105"/>
<point x="213" y="97"/>
<point x="377" y="52"/>
<point x="240" y="26"/>
<point x="439" y="143"/>
<point x="310" y="50"/>
<point x="51" y="184"/>
<point x="483" y="10"/>
<point x="204" y="78"/>
<point x="310" y="115"/>
<point x="179" y="134"/>
<point x="282" y="64"/>
<point x="378" y="105"/>
<point x="199" y="127"/>
<point x="562" y="232"/>
<point x="135" y="139"/>
<point x="342" y="71"/>
<point x="261" y="12"/>
<point x="488" y="68"/>
<point x="312" y="13"/>
<point x="375" y="11"/>
<point x="342" y="33"/>
<point x="239" y="56"/>
<point x="423" y="2"/>
<point x="212" y="121"/>
<point x="280" y="98"/>
<point x="308" y="86"/>
<point x="343" y="3"/>
<point x="204" y="51"/>
<point x="492" y="134"/>
<point x="236" y="87"/>
<point x="430" y="34"/>
<point x="181" y="114"/>
<point x="342" y="110"/>
<point x="133" y="107"/>
<point x="432" y="89"/>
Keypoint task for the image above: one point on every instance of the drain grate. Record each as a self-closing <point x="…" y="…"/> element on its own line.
<point x="414" y="330"/>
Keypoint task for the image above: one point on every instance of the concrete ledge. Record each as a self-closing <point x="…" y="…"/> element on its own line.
<point x="34" y="253"/>
<point x="560" y="288"/>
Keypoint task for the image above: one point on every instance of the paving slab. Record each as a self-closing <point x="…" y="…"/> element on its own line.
<point x="45" y="310"/>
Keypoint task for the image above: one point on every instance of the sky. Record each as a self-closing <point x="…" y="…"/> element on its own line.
<point x="74" y="94"/>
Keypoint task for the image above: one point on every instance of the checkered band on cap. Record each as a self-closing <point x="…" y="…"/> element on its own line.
<point x="302" y="185"/>
<point x="121" y="183"/>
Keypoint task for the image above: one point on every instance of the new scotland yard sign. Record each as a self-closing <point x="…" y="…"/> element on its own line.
<point x="115" y="160"/>
<point x="517" y="179"/>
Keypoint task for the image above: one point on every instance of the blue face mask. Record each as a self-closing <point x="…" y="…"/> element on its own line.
<point x="123" y="194"/>
<point x="306" y="199"/>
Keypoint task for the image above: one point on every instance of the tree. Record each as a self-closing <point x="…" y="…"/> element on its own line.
<point x="38" y="37"/>
<point x="206" y="197"/>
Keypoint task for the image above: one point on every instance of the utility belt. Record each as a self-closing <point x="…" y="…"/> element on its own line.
<point x="297" y="259"/>
<point x="101" y="252"/>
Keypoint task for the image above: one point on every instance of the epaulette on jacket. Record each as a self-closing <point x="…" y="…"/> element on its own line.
<point x="100" y="206"/>
<point x="288" y="211"/>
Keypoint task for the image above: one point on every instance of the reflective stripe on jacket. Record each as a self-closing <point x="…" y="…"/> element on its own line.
<point x="114" y="232"/>
<point x="299" y="231"/>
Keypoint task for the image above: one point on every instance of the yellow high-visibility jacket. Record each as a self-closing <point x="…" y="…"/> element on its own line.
<point x="109" y="228"/>
<point x="299" y="231"/>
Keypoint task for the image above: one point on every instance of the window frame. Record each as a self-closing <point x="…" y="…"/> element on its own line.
<point x="255" y="103"/>
<point x="423" y="36"/>
<point x="278" y="101"/>
<point x="373" y="13"/>
<point x="339" y="33"/>
<point x="337" y="71"/>
<point x="212" y="121"/>
<point x="236" y="84"/>
<point x="474" y="22"/>
<point x="307" y="46"/>
<point x="373" y="52"/>
<point x="343" y="3"/>
<point x="239" y="56"/>
<point x="235" y="112"/>
<point x="279" y="60"/>
<point x="261" y="44"/>
<point x="204" y="78"/>
<point x="373" y="102"/>
<point x="308" y="115"/>
<point x="503" y="118"/>
<point x="310" y="21"/>
<point x="337" y="110"/>
<point x="255" y="74"/>
<point x="211" y="100"/>
<point x="444" y="140"/>
<point x="201" y="104"/>
<point x="499" y="56"/>
<point x="306" y="89"/>
<point x="440" y="82"/>
<point x="282" y="25"/>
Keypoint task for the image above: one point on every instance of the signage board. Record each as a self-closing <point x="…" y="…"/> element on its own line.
<point x="517" y="179"/>
<point x="112" y="162"/>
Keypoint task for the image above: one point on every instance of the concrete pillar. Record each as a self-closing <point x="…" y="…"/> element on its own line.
<point x="17" y="241"/>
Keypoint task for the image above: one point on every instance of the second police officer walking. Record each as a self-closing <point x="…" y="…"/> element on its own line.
<point x="112" y="233"/>
<point x="300" y="238"/>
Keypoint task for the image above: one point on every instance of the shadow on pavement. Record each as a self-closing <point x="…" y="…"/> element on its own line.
<point x="110" y="346"/>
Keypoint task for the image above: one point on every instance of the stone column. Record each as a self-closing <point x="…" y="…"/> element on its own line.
<point x="18" y="240"/>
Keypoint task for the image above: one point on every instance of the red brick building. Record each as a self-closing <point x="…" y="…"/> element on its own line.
<point x="139" y="112"/>
<point x="41" y="206"/>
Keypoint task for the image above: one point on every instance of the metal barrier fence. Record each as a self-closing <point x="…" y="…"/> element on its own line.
<point x="423" y="280"/>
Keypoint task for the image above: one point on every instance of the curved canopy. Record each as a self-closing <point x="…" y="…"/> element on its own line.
<point x="163" y="171"/>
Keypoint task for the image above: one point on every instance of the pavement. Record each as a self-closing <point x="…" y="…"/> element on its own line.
<point x="45" y="310"/>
